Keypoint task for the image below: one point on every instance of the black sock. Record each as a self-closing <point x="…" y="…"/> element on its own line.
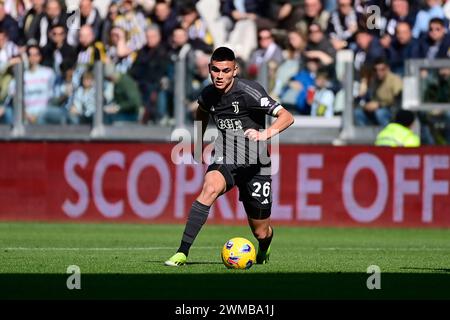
<point x="197" y="218"/>
<point x="265" y="243"/>
<point x="184" y="247"/>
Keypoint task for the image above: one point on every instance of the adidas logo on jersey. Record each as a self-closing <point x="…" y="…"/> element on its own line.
<point x="265" y="201"/>
<point x="265" y="102"/>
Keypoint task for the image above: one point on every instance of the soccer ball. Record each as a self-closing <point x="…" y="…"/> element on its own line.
<point x="238" y="253"/>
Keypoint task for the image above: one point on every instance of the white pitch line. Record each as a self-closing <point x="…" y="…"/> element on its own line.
<point x="386" y="249"/>
<point x="95" y="249"/>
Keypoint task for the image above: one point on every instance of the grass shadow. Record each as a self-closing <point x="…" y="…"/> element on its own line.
<point x="273" y="286"/>
<point x="427" y="269"/>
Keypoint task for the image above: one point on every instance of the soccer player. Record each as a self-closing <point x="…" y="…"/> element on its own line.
<point x="241" y="157"/>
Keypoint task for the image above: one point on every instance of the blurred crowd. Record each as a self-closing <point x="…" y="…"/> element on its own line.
<point x="298" y="42"/>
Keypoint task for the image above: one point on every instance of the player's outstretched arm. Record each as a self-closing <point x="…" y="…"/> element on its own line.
<point x="283" y="121"/>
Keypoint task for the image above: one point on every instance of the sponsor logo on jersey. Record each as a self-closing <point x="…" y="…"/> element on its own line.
<point x="229" y="124"/>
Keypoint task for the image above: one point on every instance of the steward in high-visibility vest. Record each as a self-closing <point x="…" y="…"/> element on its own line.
<point x="399" y="133"/>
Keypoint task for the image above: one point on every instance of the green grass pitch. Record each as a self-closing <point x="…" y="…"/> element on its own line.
<point x="125" y="261"/>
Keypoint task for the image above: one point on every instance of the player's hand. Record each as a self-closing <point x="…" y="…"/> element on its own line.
<point x="255" y="135"/>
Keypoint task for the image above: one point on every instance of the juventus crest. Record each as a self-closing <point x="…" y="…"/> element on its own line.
<point x="235" y="104"/>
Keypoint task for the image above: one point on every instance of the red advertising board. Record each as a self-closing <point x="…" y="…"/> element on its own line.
<point x="140" y="182"/>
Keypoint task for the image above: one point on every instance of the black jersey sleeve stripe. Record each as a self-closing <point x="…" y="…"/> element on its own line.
<point x="254" y="96"/>
<point x="253" y="92"/>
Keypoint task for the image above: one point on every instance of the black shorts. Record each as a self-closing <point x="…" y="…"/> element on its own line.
<point x="255" y="188"/>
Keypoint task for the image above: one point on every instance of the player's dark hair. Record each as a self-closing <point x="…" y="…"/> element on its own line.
<point x="223" y="54"/>
<point x="404" y="117"/>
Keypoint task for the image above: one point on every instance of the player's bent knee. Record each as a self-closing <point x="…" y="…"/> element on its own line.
<point x="214" y="185"/>
<point x="210" y="190"/>
<point x="215" y="178"/>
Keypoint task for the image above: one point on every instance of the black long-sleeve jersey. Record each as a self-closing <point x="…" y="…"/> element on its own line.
<point x="243" y="107"/>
